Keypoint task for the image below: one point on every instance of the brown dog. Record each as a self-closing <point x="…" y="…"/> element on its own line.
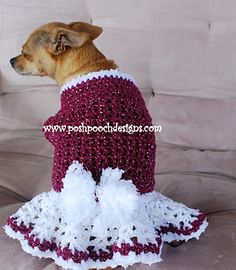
<point x="62" y="51"/>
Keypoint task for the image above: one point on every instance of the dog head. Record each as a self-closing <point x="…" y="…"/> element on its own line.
<point x="49" y="44"/>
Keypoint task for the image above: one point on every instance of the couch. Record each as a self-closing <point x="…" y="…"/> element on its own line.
<point x="182" y="54"/>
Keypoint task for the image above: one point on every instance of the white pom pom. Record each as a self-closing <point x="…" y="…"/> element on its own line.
<point x="77" y="196"/>
<point x="118" y="199"/>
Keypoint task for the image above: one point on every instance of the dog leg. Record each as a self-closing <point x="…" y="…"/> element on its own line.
<point x="107" y="268"/>
<point x="176" y="243"/>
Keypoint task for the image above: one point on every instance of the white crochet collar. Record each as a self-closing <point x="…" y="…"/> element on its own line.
<point x="96" y="74"/>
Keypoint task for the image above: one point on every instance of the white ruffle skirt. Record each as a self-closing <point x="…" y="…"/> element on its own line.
<point x="89" y="225"/>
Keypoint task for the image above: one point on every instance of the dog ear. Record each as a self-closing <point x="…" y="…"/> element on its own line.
<point x="63" y="38"/>
<point x="93" y="30"/>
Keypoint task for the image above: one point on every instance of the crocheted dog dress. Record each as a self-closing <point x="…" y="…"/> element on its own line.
<point x="102" y="209"/>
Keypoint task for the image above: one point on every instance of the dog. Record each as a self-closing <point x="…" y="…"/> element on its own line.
<point x="62" y="51"/>
<point x="67" y="51"/>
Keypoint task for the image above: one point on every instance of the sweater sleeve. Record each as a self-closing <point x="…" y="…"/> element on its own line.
<point x="52" y="128"/>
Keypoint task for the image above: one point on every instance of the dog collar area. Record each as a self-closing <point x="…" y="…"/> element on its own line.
<point x="96" y="75"/>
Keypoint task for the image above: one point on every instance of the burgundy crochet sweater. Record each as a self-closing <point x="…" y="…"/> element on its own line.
<point x="96" y="101"/>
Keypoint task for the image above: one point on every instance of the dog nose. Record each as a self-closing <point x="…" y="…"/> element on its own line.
<point x="13" y="61"/>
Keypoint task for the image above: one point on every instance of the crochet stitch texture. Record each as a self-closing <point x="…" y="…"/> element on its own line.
<point x="102" y="209"/>
<point x="95" y="102"/>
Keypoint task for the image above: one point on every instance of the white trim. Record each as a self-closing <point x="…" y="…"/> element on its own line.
<point x="131" y="259"/>
<point x="95" y="75"/>
<point x="146" y="212"/>
<point x="169" y="237"/>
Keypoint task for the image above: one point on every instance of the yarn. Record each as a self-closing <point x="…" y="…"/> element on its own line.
<point x="109" y="97"/>
<point x="102" y="209"/>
